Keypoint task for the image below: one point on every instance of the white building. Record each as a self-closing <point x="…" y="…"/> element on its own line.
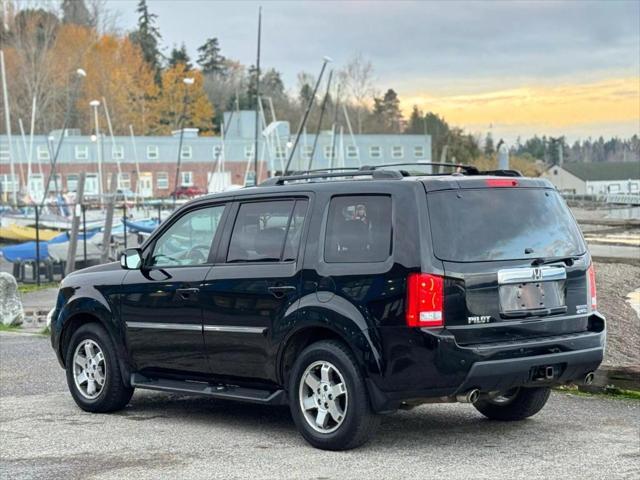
<point x="602" y="178"/>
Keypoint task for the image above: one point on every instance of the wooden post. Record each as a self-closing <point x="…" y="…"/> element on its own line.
<point x="75" y="226"/>
<point x="108" y="221"/>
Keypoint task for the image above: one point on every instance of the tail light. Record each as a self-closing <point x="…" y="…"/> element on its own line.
<point x="425" y="300"/>
<point x="592" y="287"/>
<point x="501" y="182"/>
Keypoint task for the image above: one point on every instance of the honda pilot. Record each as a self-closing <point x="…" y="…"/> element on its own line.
<point x="344" y="295"/>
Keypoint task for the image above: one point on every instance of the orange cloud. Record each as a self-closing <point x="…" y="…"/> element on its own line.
<point x="611" y="101"/>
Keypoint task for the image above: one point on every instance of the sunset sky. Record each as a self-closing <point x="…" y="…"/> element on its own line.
<point x="517" y="68"/>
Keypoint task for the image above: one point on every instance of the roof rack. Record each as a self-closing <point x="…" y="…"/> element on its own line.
<point x="375" y="174"/>
<point x="468" y="169"/>
<point x="465" y="169"/>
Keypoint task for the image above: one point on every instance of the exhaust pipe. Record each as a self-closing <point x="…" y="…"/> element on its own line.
<point x="588" y="378"/>
<point x="470" y="397"/>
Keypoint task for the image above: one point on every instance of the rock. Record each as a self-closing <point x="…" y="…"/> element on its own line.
<point x="11" y="311"/>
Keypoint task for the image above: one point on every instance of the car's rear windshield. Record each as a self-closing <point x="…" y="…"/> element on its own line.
<point x="501" y="224"/>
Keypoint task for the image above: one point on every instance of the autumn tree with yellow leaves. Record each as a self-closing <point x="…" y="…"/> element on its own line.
<point x="178" y="97"/>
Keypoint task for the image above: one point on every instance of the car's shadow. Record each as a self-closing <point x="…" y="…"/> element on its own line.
<point x="439" y="424"/>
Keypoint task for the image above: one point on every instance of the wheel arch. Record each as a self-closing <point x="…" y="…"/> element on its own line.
<point x="337" y="320"/>
<point x="72" y="320"/>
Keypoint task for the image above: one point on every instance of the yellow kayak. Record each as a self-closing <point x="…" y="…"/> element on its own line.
<point x="18" y="233"/>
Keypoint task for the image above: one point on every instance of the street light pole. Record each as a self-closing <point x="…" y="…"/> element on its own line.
<point x="95" y="104"/>
<point x="187" y="81"/>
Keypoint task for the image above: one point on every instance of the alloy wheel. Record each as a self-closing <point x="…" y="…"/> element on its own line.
<point x="323" y="397"/>
<point x="89" y="369"/>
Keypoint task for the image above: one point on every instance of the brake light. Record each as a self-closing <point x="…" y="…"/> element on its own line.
<point x="501" y="182"/>
<point x="592" y="287"/>
<point x="425" y="300"/>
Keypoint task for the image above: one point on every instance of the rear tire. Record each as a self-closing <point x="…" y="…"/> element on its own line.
<point x="93" y="371"/>
<point x="328" y="398"/>
<point x="524" y="403"/>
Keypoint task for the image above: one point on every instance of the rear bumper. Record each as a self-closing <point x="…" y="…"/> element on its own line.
<point x="502" y="375"/>
<point x="424" y="364"/>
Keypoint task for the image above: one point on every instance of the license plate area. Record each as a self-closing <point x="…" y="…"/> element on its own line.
<point x="532" y="291"/>
<point x="531" y="296"/>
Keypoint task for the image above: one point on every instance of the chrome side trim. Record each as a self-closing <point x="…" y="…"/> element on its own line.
<point x="229" y="329"/>
<point x="166" y="326"/>
<point x="531" y="274"/>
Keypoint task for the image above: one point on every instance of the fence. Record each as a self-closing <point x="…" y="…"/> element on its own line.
<point x="38" y="237"/>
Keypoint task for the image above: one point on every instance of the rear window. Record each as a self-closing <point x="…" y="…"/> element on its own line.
<point x="501" y="224"/>
<point x="358" y="229"/>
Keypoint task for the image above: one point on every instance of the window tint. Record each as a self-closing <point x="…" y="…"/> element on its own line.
<point x="501" y="224"/>
<point x="267" y="231"/>
<point x="358" y="229"/>
<point x="188" y="240"/>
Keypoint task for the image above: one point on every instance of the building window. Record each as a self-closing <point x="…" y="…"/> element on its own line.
<point x="82" y="152"/>
<point x="418" y="151"/>
<point x="614" y="188"/>
<point x="375" y="151"/>
<point x="72" y="182"/>
<point x="153" y="152"/>
<point x="306" y="151"/>
<point x="281" y="154"/>
<point x="117" y="152"/>
<point x="397" y="151"/>
<point x="43" y="152"/>
<point x="124" y="181"/>
<point x="217" y="151"/>
<point x="329" y="152"/>
<point x="186" y="152"/>
<point x="186" y="179"/>
<point x="248" y="152"/>
<point x="352" y="151"/>
<point x="9" y="183"/>
<point x="162" y="180"/>
<point x="4" y="151"/>
<point x="633" y="187"/>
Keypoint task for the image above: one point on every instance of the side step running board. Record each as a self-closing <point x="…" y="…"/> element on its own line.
<point x="227" y="392"/>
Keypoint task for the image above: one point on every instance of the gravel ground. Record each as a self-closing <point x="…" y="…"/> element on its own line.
<point x="614" y="282"/>
<point x="43" y="435"/>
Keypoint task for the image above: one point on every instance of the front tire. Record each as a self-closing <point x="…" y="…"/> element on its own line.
<point x="328" y="398"/>
<point x="515" y="405"/>
<point x="93" y="371"/>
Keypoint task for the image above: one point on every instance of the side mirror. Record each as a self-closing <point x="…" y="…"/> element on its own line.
<point x="131" y="259"/>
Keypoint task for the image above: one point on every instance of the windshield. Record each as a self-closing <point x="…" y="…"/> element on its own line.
<point x="502" y="224"/>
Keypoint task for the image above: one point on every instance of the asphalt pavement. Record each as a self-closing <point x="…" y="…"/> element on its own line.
<point x="43" y="435"/>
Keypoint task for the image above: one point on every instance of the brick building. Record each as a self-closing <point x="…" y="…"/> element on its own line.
<point x="148" y="163"/>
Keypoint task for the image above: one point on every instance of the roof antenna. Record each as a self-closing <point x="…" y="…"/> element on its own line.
<point x="306" y="115"/>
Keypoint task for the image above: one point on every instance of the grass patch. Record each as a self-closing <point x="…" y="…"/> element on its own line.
<point x="8" y="328"/>
<point x="32" y="287"/>
<point x="608" y="391"/>
<point x="45" y="331"/>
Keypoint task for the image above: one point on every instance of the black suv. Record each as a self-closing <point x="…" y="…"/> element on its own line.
<point x="344" y="295"/>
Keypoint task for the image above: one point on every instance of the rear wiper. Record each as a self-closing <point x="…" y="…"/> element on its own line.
<point x="545" y="261"/>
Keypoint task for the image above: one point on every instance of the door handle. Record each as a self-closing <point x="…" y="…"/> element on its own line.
<point x="188" y="293"/>
<point x="280" y="290"/>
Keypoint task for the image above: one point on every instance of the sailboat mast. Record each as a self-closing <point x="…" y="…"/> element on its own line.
<point x="7" y="119"/>
<point x="322" y="109"/>
<point x="255" y="147"/>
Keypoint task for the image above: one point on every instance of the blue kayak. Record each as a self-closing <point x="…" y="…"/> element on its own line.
<point x="27" y="251"/>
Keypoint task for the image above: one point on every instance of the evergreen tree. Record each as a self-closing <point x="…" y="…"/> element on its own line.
<point x="386" y="111"/>
<point x="271" y="84"/>
<point x="147" y="37"/>
<point x="489" y="148"/>
<point x="76" y="12"/>
<point x="416" y="124"/>
<point x="210" y="58"/>
<point x="180" y="55"/>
